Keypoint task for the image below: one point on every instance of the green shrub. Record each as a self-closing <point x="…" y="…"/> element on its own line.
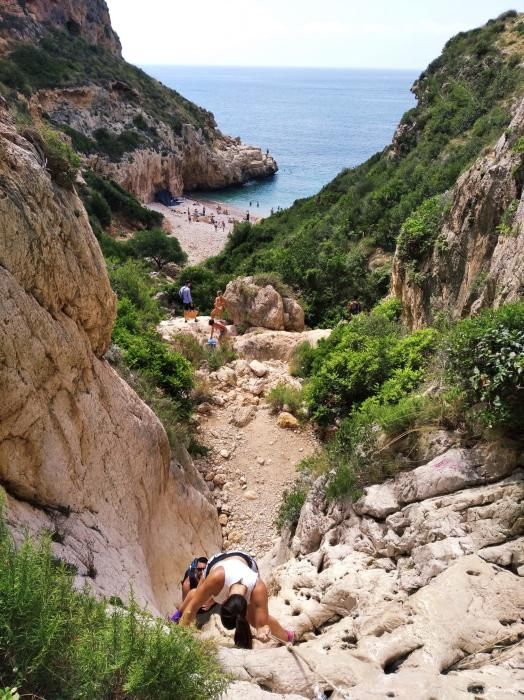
<point x="486" y="359"/>
<point x="58" y="642"/>
<point x="97" y="206"/>
<point x="60" y="159"/>
<point x="169" y="370"/>
<point x="40" y="68"/>
<point x="130" y="280"/>
<point x="349" y="365"/>
<point x="398" y="416"/>
<point x="390" y="308"/>
<point x="507" y="226"/>
<point x="283" y="395"/>
<point x="275" y="280"/>
<point x="419" y="231"/>
<point x="301" y="362"/>
<point x="220" y="356"/>
<point x="122" y="202"/>
<point x="9" y="694"/>
<point x="189" y="347"/>
<point x="158" y="246"/>
<point x="290" y="506"/>
<point x="116" y="145"/>
<point x="79" y="141"/>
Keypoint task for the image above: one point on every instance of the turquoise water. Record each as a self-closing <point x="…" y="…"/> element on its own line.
<point x="315" y="122"/>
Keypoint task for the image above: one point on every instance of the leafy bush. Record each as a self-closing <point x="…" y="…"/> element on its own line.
<point x="155" y="244"/>
<point x="189" y="347"/>
<point x="390" y="308"/>
<point x="60" y="159"/>
<point x="131" y="282"/>
<point x="419" y="231"/>
<point x="275" y="280"/>
<point x="219" y="357"/>
<point x="301" y="361"/>
<point x="507" y="227"/>
<point x="284" y="395"/>
<point x="290" y="506"/>
<point x="362" y="358"/>
<point x="169" y="370"/>
<point x="122" y="202"/>
<point x="486" y="359"/>
<point x="97" y="206"/>
<point x="58" y="642"/>
<point x="116" y="145"/>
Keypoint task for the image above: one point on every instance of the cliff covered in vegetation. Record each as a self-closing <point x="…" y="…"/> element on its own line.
<point x="62" y="64"/>
<point x="340" y="242"/>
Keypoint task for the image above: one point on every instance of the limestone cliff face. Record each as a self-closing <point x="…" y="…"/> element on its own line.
<point x="88" y="18"/>
<point x="478" y="258"/>
<point x="80" y="453"/>
<point x="127" y="125"/>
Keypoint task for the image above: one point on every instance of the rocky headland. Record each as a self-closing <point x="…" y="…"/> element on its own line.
<point x="128" y="126"/>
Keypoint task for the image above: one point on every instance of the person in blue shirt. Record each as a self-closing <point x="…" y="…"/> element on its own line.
<point x="185" y="294"/>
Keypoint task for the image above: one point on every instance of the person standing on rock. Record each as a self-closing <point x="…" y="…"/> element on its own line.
<point x="218" y="308"/>
<point x="232" y="579"/>
<point x="185" y="295"/>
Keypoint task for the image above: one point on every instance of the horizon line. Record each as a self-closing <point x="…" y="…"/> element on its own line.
<point x="236" y="65"/>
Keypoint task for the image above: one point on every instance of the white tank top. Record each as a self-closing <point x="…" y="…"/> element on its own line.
<point x="236" y="571"/>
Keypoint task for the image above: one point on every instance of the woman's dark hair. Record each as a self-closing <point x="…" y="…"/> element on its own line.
<point x="233" y="616"/>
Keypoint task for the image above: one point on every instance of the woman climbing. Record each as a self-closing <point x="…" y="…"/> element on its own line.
<point x="232" y="579"/>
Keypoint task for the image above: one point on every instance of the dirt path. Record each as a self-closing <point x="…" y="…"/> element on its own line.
<point x="251" y="460"/>
<point x="257" y="463"/>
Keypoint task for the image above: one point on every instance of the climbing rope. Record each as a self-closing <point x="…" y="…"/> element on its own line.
<point x="318" y="693"/>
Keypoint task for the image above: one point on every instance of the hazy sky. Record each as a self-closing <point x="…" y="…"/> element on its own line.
<point x="351" y="33"/>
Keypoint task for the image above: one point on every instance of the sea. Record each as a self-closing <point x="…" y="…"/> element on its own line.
<point x="314" y="121"/>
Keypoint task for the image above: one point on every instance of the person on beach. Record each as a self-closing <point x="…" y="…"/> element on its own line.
<point x="203" y="211"/>
<point x="220" y="305"/>
<point x="216" y="227"/>
<point x="247" y="216"/>
<point x="223" y="225"/>
<point x="232" y="579"/>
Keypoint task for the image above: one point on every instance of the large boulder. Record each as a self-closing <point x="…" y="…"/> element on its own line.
<point x="261" y="344"/>
<point x="256" y="304"/>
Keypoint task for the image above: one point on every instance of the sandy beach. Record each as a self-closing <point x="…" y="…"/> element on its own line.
<point x="193" y="223"/>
